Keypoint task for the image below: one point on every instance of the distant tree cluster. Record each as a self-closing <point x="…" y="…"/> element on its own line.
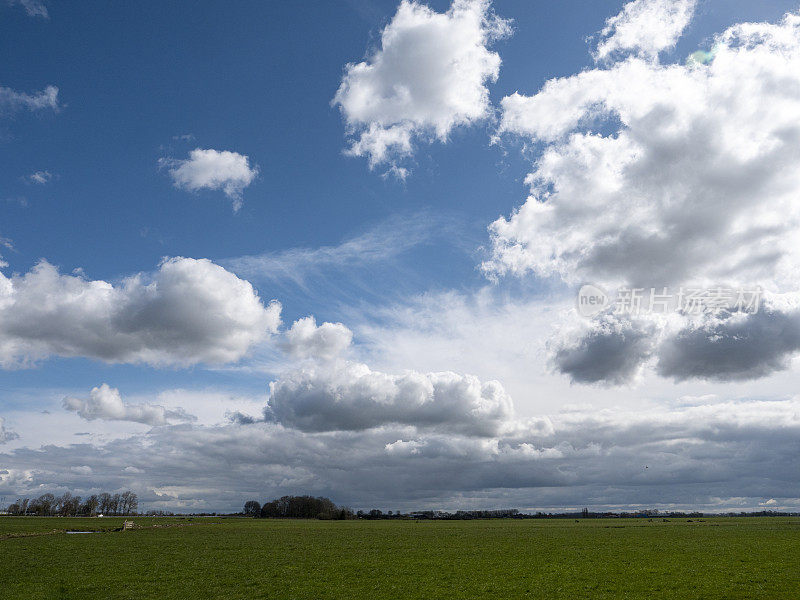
<point x="310" y="507"/>
<point x="460" y="515"/>
<point x="297" y="507"/>
<point x="67" y="505"/>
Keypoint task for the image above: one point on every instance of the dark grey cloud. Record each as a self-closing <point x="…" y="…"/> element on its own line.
<point x="240" y="418"/>
<point x="718" y="346"/>
<point x="715" y="456"/>
<point x="610" y="352"/>
<point x="732" y="347"/>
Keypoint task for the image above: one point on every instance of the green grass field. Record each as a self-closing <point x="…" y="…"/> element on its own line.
<point x="248" y="559"/>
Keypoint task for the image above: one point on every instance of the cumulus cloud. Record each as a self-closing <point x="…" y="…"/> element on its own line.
<point x="656" y="175"/>
<point x="105" y="403"/>
<point x="12" y="100"/>
<point x="214" y="170"/>
<point x="428" y="76"/>
<point x="696" y="180"/>
<point x="608" y="350"/>
<point x="324" y="342"/>
<point x="188" y="311"/>
<point x="645" y="27"/>
<point x="351" y="396"/>
<point x="6" y="435"/>
<point x="34" y="8"/>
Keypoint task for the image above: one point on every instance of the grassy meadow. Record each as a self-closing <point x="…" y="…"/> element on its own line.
<point x="370" y="560"/>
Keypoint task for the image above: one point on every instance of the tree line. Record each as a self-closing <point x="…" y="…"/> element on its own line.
<point x="310" y="507"/>
<point x="67" y="505"/>
<point x="297" y="507"/>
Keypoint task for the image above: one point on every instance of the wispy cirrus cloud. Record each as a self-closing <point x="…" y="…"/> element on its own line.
<point x="34" y="8"/>
<point x="382" y="245"/>
<point x="39" y="177"/>
<point x="13" y="100"/>
<point x="384" y="242"/>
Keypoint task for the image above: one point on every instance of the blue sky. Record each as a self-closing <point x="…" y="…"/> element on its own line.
<point x="396" y="260"/>
<point x="256" y="78"/>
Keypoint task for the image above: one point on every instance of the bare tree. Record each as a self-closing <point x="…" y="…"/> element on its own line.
<point x="89" y="507"/>
<point x="128" y="502"/>
<point x="105" y="503"/>
<point x="67" y="505"/>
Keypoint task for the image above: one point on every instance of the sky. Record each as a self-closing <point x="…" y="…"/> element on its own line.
<point x="340" y="248"/>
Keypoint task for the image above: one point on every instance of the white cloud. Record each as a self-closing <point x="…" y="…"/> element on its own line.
<point x="12" y="100"/>
<point x="351" y="396"/>
<point x="214" y="170"/>
<point x="6" y="435"/>
<point x="428" y="76"/>
<point x="324" y="342"/>
<point x="329" y="393"/>
<point x="696" y="183"/>
<point x="105" y="403"/>
<point x="34" y="8"/>
<point x="658" y="175"/>
<point x="188" y="311"/>
<point x="645" y="27"/>
<point x="383" y="144"/>
<point x="40" y="177"/>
